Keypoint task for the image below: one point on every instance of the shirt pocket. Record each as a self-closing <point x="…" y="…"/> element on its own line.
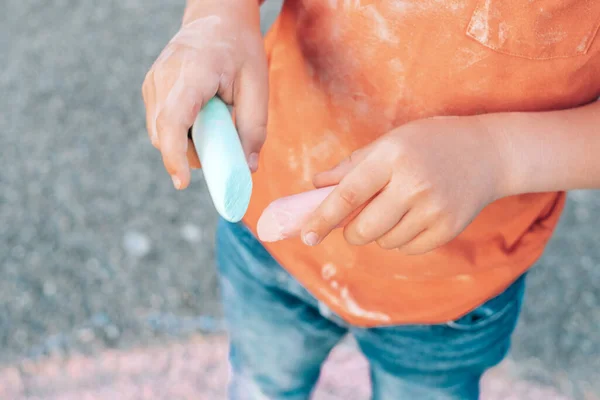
<point x="536" y="29"/>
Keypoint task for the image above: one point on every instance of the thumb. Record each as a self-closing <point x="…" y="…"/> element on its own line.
<point x="251" y="99"/>
<point x="337" y="173"/>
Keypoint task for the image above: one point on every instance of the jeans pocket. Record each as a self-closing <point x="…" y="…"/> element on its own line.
<point x="501" y="307"/>
<point x="481" y="317"/>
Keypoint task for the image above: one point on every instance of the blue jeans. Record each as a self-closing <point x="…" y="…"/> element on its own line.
<point x="280" y="335"/>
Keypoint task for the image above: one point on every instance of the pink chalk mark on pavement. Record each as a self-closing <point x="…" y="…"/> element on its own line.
<point x="198" y="370"/>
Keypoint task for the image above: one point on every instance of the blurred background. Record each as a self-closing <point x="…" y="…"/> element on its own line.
<point x="106" y="270"/>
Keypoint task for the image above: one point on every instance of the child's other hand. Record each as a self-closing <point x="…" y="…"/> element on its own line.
<point x="218" y="51"/>
<point x="423" y="182"/>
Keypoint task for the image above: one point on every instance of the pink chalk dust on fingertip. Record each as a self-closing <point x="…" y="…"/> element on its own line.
<point x="283" y="218"/>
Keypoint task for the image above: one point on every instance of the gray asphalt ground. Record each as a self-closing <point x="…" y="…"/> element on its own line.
<point x="98" y="250"/>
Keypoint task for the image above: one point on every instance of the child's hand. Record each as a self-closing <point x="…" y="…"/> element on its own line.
<point x="423" y="182"/>
<point x="218" y="51"/>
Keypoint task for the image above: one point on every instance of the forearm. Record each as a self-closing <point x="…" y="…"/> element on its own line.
<point x="548" y="151"/>
<point x="250" y="8"/>
<point x="190" y="2"/>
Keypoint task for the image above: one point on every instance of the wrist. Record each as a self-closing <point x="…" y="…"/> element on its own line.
<point x="248" y="9"/>
<point x="496" y="130"/>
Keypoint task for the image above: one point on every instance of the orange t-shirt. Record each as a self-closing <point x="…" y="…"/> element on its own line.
<point x="344" y="72"/>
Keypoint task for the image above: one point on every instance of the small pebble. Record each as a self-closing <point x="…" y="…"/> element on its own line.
<point x="85" y="335"/>
<point x="191" y="233"/>
<point x="136" y="244"/>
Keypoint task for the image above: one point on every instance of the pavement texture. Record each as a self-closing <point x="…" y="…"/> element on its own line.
<point x="197" y="370"/>
<point x="99" y="255"/>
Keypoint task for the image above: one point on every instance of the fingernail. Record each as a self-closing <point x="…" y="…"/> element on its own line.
<point x="176" y="181"/>
<point x="253" y="162"/>
<point x="310" y="239"/>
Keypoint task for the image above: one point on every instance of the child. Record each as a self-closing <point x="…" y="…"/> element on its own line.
<point x="459" y="123"/>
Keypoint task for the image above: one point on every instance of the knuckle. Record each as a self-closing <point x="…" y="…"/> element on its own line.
<point x="349" y="197"/>
<point x="446" y="228"/>
<point x="154" y="140"/>
<point x="169" y="120"/>
<point x="422" y="187"/>
<point x="169" y="150"/>
<point x="173" y="160"/>
<point x="395" y="149"/>
<point x="164" y="73"/>
<point x="253" y="127"/>
<point x="168" y="153"/>
<point x="356" y="235"/>
<point x="433" y="213"/>
<point x="256" y="135"/>
<point x="161" y="122"/>
<point x="324" y="219"/>
<point x="169" y="163"/>
<point x="354" y="156"/>
<point x="439" y="203"/>
<point x="227" y="74"/>
<point x="420" y="193"/>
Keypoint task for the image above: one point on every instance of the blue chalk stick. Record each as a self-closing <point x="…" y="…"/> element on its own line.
<point x="223" y="161"/>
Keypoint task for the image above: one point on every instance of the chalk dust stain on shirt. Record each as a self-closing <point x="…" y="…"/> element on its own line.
<point x="466" y="58"/>
<point x="328" y="271"/>
<point x="352" y="307"/>
<point x="381" y="28"/>
<point x="345" y="301"/>
<point x="479" y="27"/>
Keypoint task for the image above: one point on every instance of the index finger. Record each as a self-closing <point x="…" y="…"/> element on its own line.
<point x="182" y="99"/>
<point x="361" y="184"/>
